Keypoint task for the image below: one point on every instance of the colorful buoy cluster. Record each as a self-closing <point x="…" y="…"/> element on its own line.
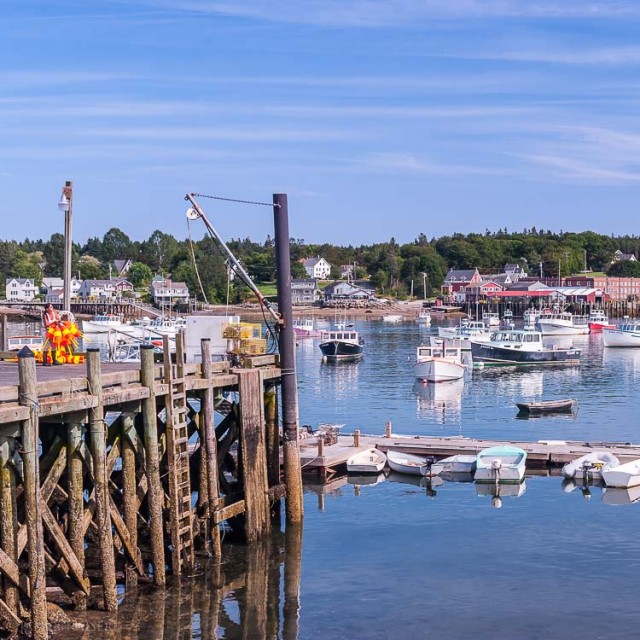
<point x="61" y="339"/>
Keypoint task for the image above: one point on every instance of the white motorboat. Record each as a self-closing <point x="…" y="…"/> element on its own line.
<point x="165" y="325"/>
<point x="590" y="466"/>
<point x="507" y="320"/>
<point x="15" y="343"/>
<point x="409" y="463"/>
<point x="438" y="363"/>
<point x="392" y="317"/>
<point x="424" y="317"/>
<point x="368" y="461"/>
<point x="503" y="463"/>
<point x="455" y="464"/>
<point x="105" y="322"/>
<point x="305" y="328"/>
<point x="598" y="321"/>
<point x="530" y="317"/>
<point x="491" y="319"/>
<point x="562" y="323"/>
<point x="466" y="332"/>
<point x="623" y="476"/>
<point x="625" y="335"/>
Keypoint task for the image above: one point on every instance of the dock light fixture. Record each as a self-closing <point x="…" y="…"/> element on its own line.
<point x="64" y="203"/>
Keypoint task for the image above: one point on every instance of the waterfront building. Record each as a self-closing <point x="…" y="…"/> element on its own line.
<point x="165" y="292"/>
<point x="458" y="279"/>
<point x="304" y="291"/>
<point x="317" y="268"/>
<point x="20" y="289"/>
<point x="104" y="289"/>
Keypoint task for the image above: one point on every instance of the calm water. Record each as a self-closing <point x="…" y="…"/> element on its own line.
<point x="394" y="559"/>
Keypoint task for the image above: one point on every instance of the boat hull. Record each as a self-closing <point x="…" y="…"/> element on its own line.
<point x="618" y="338"/>
<point x="623" y="476"/>
<point x="490" y="354"/>
<point x="551" y="406"/>
<point x="455" y="464"/>
<point x="438" y="370"/>
<point x="562" y="328"/>
<point x="501" y="464"/>
<point x="368" y="461"/>
<point x="336" y="350"/>
<point x="590" y="466"/>
<point x="407" y="463"/>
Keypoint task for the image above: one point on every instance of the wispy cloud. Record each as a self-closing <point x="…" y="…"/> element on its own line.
<point x="406" y="163"/>
<point x="618" y="56"/>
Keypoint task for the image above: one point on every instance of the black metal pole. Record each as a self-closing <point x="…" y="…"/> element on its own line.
<point x="286" y="344"/>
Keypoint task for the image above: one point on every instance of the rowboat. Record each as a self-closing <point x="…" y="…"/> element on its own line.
<point x="623" y="476"/>
<point x="590" y="466"/>
<point x="455" y="464"/>
<point x="409" y="463"/>
<point x="547" y="406"/>
<point x="504" y="463"/>
<point x="367" y="461"/>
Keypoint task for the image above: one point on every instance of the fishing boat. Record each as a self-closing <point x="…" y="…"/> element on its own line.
<point x="503" y="463"/>
<point x="598" y="321"/>
<point x="531" y="316"/>
<point x="439" y="363"/>
<point x="465" y="332"/>
<point x="547" y="406"/>
<point x="105" y="322"/>
<point x="409" y="463"/>
<point x="625" y="335"/>
<point x="491" y="319"/>
<point x="507" y="320"/>
<point x="368" y="461"/>
<point x="623" y="476"/>
<point x="305" y="328"/>
<point x="590" y="466"/>
<point x="341" y="345"/>
<point x="165" y="325"/>
<point x="562" y="323"/>
<point x="511" y="347"/>
<point x="33" y="342"/>
<point x="424" y="317"/>
<point x="455" y="464"/>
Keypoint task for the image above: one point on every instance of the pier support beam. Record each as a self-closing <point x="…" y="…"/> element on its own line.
<point x="28" y="391"/>
<point x="292" y="469"/>
<point x="98" y="442"/>
<point x="9" y="521"/>
<point x="129" y="441"/>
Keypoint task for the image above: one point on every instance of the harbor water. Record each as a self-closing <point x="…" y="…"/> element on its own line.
<point x="389" y="557"/>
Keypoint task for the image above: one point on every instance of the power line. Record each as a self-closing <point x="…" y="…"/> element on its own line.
<point x="261" y="204"/>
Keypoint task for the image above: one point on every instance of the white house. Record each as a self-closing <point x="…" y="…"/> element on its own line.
<point x="166" y="292"/>
<point x="20" y="289"/>
<point x="49" y="285"/>
<point x="104" y="288"/>
<point x="303" y="291"/>
<point x="317" y="268"/>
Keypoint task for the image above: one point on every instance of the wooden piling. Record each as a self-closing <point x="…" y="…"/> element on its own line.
<point x="129" y="487"/>
<point x="97" y="439"/>
<point x="387" y="431"/>
<point x="210" y="459"/>
<point x="75" y="488"/>
<point x="253" y="454"/>
<point x="320" y="445"/>
<point x="5" y="341"/>
<point x="155" y="494"/>
<point x="28" y="396"/>
<point x="356" y="437"/>
<point x="9" y="525"/>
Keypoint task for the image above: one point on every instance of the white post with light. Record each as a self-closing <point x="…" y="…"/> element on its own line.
<point x="66" y="205"/>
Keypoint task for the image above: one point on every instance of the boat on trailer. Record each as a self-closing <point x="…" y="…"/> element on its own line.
<point x="547" y="406"/>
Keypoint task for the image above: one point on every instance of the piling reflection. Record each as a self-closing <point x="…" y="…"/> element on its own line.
<point x="254" y="593"/>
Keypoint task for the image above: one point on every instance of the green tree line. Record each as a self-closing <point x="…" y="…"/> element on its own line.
<point x="393" y="267"/>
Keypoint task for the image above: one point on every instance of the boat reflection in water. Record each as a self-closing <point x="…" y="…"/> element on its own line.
<point x="440" y="401"/>
<point x="500" y="490"/>
<point x="617" y="497"/>
<point x="429" y="484"/>
<point x="337" y="380"/>
<point x="253" y="593"/>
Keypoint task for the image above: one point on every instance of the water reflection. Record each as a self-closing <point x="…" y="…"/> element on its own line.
<point x="427" y="484"/>
<point x="254" y="593"/>
<point x="441" y="401"/>
<point x="338" y="380"/>
<point x="621" y="496"/>
<point x="500" y="490"/>
<point x="625" y="361"/>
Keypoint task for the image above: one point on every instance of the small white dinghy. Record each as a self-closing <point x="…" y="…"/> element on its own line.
<point x="455" y="464"/>
<point x="503" y="463"/>
<point x="367" y="461"/>
<point x="409" y="463"/>
<point x="590" y="466"/>
<point x="623" y="476"/>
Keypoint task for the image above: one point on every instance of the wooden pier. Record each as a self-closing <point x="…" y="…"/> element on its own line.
<point x="114" y="475"/>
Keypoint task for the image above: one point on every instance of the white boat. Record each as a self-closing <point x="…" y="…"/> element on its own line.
<point x="409" y="463"/>
<point x="531" y="316"/>
<point x="623" y="476"/>
<point x="503" y="463"/>
<point x="562" y="323"/>
<point x="455" y="464"/>
<point x="598" y="321"/>
<point x="466" y="332"/>
<point x="392" y="317"/>
<point x="15" y="343"/>
<point x="165" y="325"/>
<point x="491" y="319"/>
<point x="105" y="322"/>
<point x="305" y="328"/>
<point x="625" y="335"/>
<point x="367" y="461"/>
<point x="507" y="319"/>
<point x="424" y="317"/>
<point x="590" y="466"/>
<point x="438" y="363"/>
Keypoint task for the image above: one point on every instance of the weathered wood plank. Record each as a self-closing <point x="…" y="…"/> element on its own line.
<point x="220" y="515"/>
<point x="13" y="413"/>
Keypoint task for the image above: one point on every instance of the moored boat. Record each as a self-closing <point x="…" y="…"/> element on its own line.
<point x="562" y="323"/>
<point x="305" y="328"/>
<point x="623" y="476"/>
<point x="547" y="406"/>
<point x="625" y="335"/>
<point x="424" y="317"/>
<point x="368" y="461"/>
<point x="459" y="463"/>
<point x="15" y="343"/>
<point x="511" y="347"/>
<point x="341" y="345"/>
<point x="409" y="463"/>
<point x="392" y="317"/>
<point x="590" y="466"/>
<point x="438" y="363"/>
<point x="598" y="321"/>
<point x="503" y="463"/>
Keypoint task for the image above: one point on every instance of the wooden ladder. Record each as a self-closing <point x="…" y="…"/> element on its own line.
<point x="181" y="513"/>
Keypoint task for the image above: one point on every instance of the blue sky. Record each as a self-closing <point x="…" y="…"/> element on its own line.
<point x="378" y="118"/>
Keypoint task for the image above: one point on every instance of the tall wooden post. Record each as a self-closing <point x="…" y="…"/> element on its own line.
<point x="98" y="442"/>
<point x="273" y="442"/>
<point x="210" y="459"/>
<point x="129" y="488"/>
<point x="292" y="469"/>
<point x="28" y="394"/>
<point x="75" y="473"/>
<point x="8" y="517"/>
<point x="4" y="332"/>
<point x="155" y="494"/>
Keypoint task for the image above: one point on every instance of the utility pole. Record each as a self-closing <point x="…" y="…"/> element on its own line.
<point x="66" y="205"/>
<point x="424" y="285"/>
<point x="292" y="469"/>
<point x="540" y="270"/>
